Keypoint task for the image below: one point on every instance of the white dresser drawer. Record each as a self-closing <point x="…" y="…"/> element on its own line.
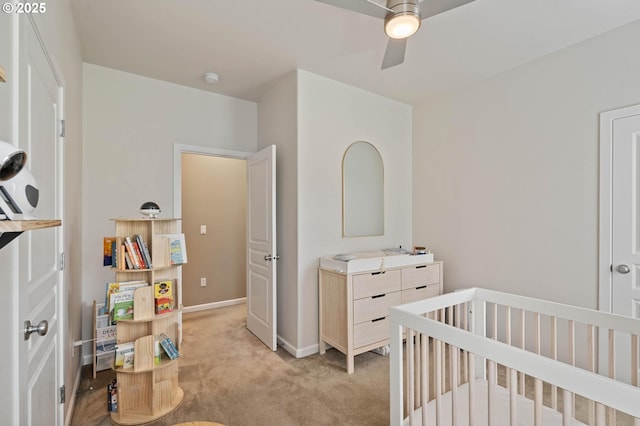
<point x="420" y="275"/>
<point x="374" y="283"/>
<point x="420" y="292"/>
<point x="374" y="307"/>
<point x="369" y="332"/>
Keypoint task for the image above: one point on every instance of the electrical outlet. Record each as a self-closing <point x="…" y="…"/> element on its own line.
<point x="203" y="282"/>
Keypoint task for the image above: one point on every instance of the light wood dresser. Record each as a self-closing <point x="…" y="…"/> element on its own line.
<point x="354" y="307"/>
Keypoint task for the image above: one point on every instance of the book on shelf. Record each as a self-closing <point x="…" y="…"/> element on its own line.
<point x="124" y="355"/>
<point x="109" y="255"/>
<point x="127" y="259"/>
<point x="163" y="296"/>
<point x="170" y="249"/>
<point x="121" y="261"/>
<point x="122" y="303"/>
<point x="141" y="260"/>
<point x="157" y="352"/>
<point x="144" y="251"/>
<point x="115" y="287"/>
<point x="112" y="396"/>
<point x="105" y="347"/>
<point x="167" y="345"/>
<point x="135" y="261"/>
<point x="105" y="336"/>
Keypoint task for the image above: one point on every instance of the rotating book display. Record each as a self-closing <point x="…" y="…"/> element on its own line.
<point x="147" y="378"/>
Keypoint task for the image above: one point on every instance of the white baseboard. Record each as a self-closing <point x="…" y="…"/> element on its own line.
<point x="72" y="396"/>
<point x="214" y="305"/>
<point x="87" y="359"/>
<point x="298" y="353"/>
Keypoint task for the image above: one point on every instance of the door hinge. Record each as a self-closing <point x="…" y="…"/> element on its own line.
<point x="61" y="262"/>
<point x="62" y="394"/>
<point x="62" y="128"/>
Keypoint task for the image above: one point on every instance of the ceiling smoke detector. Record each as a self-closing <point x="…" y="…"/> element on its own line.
<point x="211" y="77"/>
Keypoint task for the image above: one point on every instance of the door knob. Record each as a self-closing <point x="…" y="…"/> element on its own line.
<point x="623" y="269"/>
<point x="41" y="328"/>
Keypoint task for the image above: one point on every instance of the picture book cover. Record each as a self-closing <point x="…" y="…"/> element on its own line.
<point x="122" y="351"/>
<point x="168" y="346"/>
<point x="122" y="303"/>
<point x="109" y="251"/>
<point x="163" y="289"/>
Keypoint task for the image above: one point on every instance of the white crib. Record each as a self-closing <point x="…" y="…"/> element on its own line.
<point x="480" y="357"/>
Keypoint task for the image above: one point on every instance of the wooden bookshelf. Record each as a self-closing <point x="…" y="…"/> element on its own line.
<point x="148" y="391"/>
<point x="10" y="229"/>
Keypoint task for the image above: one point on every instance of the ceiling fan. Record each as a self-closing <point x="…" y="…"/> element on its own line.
<point x="402" y="19"/>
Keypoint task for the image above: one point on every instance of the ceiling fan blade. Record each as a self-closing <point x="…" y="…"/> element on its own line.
<point x="394" y="55"/>
<point x="359" y="6"/>
<point x="433" y="7"/>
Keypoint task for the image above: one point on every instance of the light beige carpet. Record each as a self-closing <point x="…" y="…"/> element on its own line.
<point x="230" y="377"/>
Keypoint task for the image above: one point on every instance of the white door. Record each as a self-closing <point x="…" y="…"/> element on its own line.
<point x="626" y="216"/>
<point x="261" y="246"/>
<point x="620" y="250"/>
<point x="40" y="288"/>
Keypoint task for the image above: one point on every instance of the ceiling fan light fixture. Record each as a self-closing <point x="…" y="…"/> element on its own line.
<point x="404" y="23"/>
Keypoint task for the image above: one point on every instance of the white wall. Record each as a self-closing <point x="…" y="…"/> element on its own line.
<point x="331" y="116"/>
<point x="130" y="125"/>
<point x="277" y="125"/>
<point x="312" y="120"/>
<point x="505" y="173"/>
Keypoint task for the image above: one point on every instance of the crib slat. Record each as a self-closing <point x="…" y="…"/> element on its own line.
<point x="572" y="357"/>
<point x="536" y="323"/>
<point x="491" y="392"/>
<point x="424" y="377"/>
<point x="439" y="368"/>
<point x="537" y="417"/>
<point x="494" y="321"/>
<point x="566" y="408"/>
<point x="513" y="401"/>
<point x="417" y="359"/>
<point x="471" y="363"/>
<point x="410" y="378"/>
<point x="507" y="331"/>
<point x="591" y="343"/>
<point x="442" y="371"/>
<point x="634" y="359"/>
<point x="522" y="344"/>
<point x="465" y="326"/>
<point x="494" y="331"/>
<point x="554" y="354"/>
<point x="453" y="366"/>
<point x="612" y="370"/>
<point x="634" y="366"/>
<point x="600" y="415"/>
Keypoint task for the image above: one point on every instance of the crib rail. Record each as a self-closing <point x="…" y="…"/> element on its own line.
<point x="456" y="356"/>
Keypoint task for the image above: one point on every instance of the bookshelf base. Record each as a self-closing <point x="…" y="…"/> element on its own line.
<point x="138" y="419"/>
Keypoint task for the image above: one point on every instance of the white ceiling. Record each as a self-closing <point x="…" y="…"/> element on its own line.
<point x="250" y="43"/>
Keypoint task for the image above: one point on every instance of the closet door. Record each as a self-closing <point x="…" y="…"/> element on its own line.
<point x="39" y="277"/>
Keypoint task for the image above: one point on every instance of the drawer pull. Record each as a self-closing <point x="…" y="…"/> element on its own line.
<point x="421" y="287"/>
<point x="421" y="266"/>
<point x="378" y="319"/>
<point x="379" y="295"/>
<point x="378" y="273"/>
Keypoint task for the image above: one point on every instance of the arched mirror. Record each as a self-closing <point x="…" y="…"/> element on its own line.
<point x="362" y="191"/>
